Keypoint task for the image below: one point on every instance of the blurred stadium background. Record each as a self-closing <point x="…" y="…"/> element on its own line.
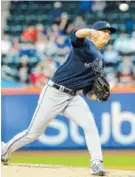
<point x="35" y="40"/>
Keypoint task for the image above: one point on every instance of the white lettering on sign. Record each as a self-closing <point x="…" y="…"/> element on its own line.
<point x="117" y="118"/>
<point x="55" y="139"/>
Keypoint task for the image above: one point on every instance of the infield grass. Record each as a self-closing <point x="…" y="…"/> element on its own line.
<point x="126" y="162"/>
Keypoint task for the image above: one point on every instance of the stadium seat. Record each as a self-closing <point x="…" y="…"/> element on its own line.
<point x="24" y="13"/>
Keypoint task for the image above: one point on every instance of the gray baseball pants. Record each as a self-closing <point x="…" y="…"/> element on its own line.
<point x="51" y="103"/>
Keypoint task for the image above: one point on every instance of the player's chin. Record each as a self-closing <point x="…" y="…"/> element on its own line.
<point x="106" y="42"/>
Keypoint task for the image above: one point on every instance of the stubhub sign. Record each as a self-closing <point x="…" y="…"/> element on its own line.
<point x="111" y="128"/>
<point x="115" y="120"/>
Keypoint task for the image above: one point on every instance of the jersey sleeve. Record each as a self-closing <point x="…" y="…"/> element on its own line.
<point x="75" y="41"/>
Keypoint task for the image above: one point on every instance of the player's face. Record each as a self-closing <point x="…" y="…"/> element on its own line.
<point x="105" y="36"/>
<point x="101" y="38"/>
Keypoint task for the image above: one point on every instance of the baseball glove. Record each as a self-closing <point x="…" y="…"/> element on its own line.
<point x="100" y="88"/>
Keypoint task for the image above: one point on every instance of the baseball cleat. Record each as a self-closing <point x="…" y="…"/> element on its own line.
<point x="98" y="170"/>
<point x="4" y="161"/>
<point x="4" y="158"/>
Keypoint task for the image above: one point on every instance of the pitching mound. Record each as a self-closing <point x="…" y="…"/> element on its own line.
<point x="23" y="170"/>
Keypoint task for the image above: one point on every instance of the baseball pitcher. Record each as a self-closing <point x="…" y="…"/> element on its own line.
<point x="82" y="70"/>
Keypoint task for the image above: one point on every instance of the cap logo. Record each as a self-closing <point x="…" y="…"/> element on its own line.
<point x="107" y="25"/>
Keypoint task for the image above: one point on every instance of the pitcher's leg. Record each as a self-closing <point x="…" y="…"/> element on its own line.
<point x="79" y="112"/>
<point x="44" y="113"/>
<point x="42" y="116"/>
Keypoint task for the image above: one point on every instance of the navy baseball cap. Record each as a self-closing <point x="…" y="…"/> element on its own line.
<point x="103" y="25"/>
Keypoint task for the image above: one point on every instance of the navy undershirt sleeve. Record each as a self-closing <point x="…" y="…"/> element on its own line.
<point x="75" y="41"/>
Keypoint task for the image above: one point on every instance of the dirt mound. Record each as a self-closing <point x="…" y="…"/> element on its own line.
<point x="23" y="170"/>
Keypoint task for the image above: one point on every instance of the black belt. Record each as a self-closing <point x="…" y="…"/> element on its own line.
<point x="66" y="90"/>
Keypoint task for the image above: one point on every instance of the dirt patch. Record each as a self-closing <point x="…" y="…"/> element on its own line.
<point x="21" y="170"/>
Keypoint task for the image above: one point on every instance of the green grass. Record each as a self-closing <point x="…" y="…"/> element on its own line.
<point x="110" y="161"/>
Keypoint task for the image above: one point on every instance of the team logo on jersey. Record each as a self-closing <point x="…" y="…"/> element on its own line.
<point x="96" y="65"/>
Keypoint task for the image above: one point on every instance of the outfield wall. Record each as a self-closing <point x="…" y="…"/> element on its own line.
<point x="115" y="120"/>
